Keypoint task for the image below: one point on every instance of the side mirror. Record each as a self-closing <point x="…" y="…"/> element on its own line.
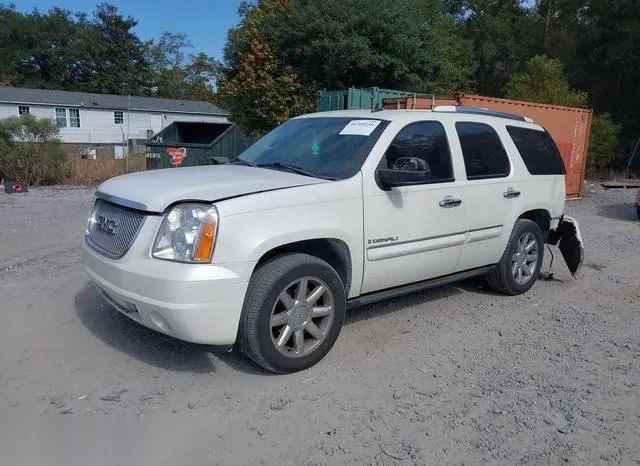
<point x="389" y="178"/>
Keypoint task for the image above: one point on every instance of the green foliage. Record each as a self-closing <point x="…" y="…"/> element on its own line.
<point x="609" y="60"/>
<point x="603" y="142"/>
<point x="62" y="50"/>
<point x="411" y="45"/>
<point x="116" y="60"/>
<point x="543" y="81"/>
<point x="503" y="35"/>
<point x="30" y="151"/>
<point x="176" y="76"/>
<point x="284" y="50"/>
<point x="260" y="90"/>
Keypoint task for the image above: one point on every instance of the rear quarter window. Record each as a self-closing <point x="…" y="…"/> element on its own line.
<point x="538" y="151"/>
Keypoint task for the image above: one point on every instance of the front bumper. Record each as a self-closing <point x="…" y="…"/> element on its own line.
<point x="199" y="303"/>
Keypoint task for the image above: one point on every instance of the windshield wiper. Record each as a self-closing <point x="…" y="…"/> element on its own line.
<point x="244" y="162"/>
<point x="292" y="168"/>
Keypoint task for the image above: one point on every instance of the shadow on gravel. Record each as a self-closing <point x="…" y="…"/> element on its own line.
<point x="619" y="212"/>
<point x="141" y="343"/>
<point x="154" y="348"/>
<point x="389" y="306"/>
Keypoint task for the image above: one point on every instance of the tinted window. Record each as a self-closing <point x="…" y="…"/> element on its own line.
<point x="422" y="146"/>
<point x="484" y="154"/>
<point x="330" y="147"/>
<point x="538" y="151"/>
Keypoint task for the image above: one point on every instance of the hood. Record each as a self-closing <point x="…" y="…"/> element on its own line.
<point x="155" y="190"/>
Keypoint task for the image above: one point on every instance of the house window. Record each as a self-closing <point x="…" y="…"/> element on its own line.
<point x="74" y="118"/>
<point x="61" y="117"/>
<point x="118" y="117"/>
<point x="22" y="109"/>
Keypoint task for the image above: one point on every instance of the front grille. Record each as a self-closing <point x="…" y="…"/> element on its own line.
<point x="113" y="228"/>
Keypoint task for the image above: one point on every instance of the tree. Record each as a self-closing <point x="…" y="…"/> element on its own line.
<point x="30" y="150"/>
<point x="609" y="66"/>
<point x="257" y="88"/>
<point x="503" y="34"/>
<point x="543" y="81"/>
<point x="337" y="44"/>
<point x="603" y="142"/>
<point x="283" y="51"/>
<point x="117" y="59"/>
<point x="177" y="76"/>
<point x="41" y="50"/>
<point x="60" y="50"/>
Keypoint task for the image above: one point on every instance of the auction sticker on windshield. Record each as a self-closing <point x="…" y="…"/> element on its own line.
<point x="360" y="127"/>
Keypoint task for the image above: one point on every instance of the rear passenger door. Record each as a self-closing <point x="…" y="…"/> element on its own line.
<point x="491" y="193"/>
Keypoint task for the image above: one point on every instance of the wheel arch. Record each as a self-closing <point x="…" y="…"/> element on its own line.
<point x="541" y="217"/>
<point x="334" y="251"/>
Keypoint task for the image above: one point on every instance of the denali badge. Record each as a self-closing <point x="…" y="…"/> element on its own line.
<point x="390" y="239"/>
<point x="108" y="225"/>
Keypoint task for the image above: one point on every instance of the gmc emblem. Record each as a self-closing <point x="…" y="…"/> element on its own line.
<point x="107" y="225"/>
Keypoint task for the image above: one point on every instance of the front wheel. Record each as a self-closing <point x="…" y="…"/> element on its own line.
<point x="520" y="264"/>
<point x="293" y="313"/>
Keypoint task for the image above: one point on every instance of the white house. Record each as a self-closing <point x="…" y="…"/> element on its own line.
<point x="104" y="123"/>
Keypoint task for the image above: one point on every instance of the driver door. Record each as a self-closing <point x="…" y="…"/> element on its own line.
<point x="414" y="232"/>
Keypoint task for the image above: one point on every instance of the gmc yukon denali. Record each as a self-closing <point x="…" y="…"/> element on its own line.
<point x="329" y="211"/>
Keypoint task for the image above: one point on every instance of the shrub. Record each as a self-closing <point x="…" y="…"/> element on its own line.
<point x="603" y="143"/>
<point x="543" y="81"/>
<point x="30" y="151"/>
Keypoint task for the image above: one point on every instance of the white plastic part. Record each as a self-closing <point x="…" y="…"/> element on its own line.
<point x="445" y="108"/>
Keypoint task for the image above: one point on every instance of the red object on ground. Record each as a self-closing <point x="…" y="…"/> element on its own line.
<point x="11" y="187"/>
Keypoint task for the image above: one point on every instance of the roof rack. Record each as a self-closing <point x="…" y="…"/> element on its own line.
<point x="480" y="111"/>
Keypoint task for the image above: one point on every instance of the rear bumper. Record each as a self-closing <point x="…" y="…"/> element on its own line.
<point x="568" y="238"/>
<point x="191" y="302"/>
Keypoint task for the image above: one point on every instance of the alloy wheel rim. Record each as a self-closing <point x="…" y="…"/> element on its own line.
<point x="524" y="260"/>
<point x="301" y="317"/>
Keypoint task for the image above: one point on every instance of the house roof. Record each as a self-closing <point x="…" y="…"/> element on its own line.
<point x="25" y="96"/>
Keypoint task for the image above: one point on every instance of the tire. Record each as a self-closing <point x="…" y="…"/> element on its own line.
<point x="638" y="211"/>
<point x="503" y="278"/>
<point x="259" y="335"/>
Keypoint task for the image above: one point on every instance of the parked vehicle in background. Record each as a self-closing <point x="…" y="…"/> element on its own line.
<point x="329" y="211"/>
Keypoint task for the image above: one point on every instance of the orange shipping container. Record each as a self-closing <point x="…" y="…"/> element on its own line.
<point x="568" y="126"/>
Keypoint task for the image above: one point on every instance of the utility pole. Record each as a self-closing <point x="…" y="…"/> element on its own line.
<point x="126" y="164"/>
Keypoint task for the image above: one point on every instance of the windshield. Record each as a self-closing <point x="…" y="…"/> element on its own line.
<point x="325" y="147"/>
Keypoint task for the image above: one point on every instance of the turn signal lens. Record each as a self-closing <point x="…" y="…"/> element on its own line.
<point x="206" y="238"/>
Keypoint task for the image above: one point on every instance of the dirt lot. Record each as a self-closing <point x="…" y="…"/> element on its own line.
<point x="455" y="375"/>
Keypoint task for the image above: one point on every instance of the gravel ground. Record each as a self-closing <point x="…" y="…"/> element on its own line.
<point x="456" y="375"/>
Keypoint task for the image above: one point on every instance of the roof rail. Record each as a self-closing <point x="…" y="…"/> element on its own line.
<point x="480" y="111"/>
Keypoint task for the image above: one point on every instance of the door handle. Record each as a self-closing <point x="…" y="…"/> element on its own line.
<point x="450" y="201"/>
<point x="511" y="193"/>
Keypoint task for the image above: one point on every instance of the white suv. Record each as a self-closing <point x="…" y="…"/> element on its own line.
<point x="329" y="211"/>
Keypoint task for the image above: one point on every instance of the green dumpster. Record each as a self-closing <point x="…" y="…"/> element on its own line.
<point x="188" y="144"/>
<point x="345" y="99"/>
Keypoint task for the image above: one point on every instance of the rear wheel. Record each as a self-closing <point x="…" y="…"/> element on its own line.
<point x="293" y="313"/>
<point x="520" y="264"/>
<point x="638" y="212"/>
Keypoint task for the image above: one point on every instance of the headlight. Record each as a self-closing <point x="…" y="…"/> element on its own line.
<point x="187" y="234"/>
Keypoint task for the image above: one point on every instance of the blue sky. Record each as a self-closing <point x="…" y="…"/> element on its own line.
<point x="205" y="22"/>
